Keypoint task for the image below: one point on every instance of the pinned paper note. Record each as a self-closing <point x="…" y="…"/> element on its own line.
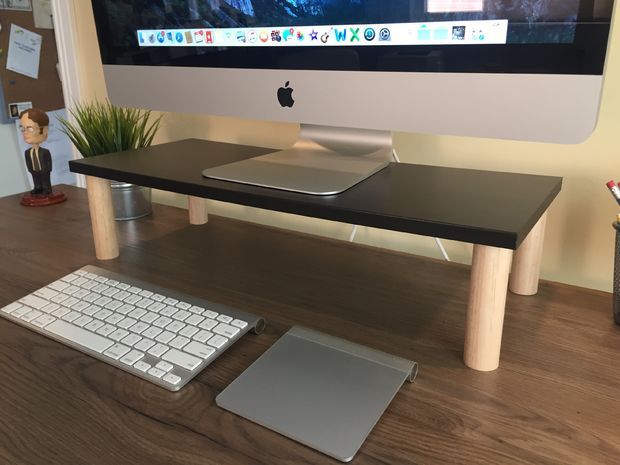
<point x="42" y="12"/>
<point x="24" y="52"/>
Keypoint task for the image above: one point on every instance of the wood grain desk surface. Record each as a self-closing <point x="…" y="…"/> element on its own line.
<point x="553" y="400"/>
<point x="481" y="207"/>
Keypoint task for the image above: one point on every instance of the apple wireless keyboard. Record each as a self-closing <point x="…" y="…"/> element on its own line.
<point x="160" y="335"/>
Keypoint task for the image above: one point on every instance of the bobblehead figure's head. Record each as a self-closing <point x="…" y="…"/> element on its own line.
<point x="34" y="126"/>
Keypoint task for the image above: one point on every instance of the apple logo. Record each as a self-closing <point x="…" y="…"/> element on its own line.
<point x="285" y="95"/>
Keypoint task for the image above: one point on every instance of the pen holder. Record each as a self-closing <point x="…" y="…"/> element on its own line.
<point x="616" y="297"/>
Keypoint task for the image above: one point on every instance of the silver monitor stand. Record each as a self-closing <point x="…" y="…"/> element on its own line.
<point x="324" y="161"/>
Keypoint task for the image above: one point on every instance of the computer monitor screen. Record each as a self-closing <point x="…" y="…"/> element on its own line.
<point x="528" y="70"/>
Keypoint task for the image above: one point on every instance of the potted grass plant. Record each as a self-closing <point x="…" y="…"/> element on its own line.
<point x="97" y="128"/>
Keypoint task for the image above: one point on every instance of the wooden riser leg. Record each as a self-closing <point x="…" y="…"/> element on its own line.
<point x="485" y="312"/>
<point x="526" y="262"/>
<point x="102" y="217"/>
<point x="197" y="210"/>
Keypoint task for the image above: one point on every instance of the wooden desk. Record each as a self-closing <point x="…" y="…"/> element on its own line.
<point x="497" y="212"/>
<point x="553" y="401"/>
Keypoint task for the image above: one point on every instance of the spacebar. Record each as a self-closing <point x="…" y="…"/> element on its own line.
<point x="79" y="336"/>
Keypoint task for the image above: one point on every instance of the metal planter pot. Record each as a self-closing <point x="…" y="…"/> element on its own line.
<point x="130" y="201"/>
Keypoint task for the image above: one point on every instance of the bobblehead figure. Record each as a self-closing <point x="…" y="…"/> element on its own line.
<point x="34" y="127"/>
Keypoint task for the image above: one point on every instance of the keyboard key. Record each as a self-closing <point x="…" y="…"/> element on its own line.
<point x="21" y="311"/>
<point x="156" y="307"/>
<point x="70" y="302"/>
<point x="34" y="301"/>
<point x="144" y="303"/>
<point x="203" y="336"/>
<point x="194" y="320"/>
<point x="125" y="309"/>
<point x="225" y="330"/>
<point x="82" y="321"/>
<point x="162" y="322"/>
<point x="158" y="297"/>
<point x="196" y="309"/>
<point x="78" y="307"/>
<point x="131" y="340"/>
<point x="142" y="366"/>
<point x="144" y="345"/>
<point x="198" y="349"/>
<point x="156" y="372"/>
<point x="158" y="350"/>
<point x="43" y="320"/>
<point x="31" y="315"/>
<point x="118" y="334"/>
<point x="181" y="315"/>
<point x="152" y="332"/>
<point x="137" y="313"/>
<point x="94" y="325"/>
<point x="184" y="360"/>
<point x="170" y="301"/>
<point x="70" y="277"/>
<point x="12" y="307"/>
<point x="71" y="316"/>
<point x="60" y="298"/>
<point x="58" y="285"/>
<point x="217" y="341"/>
<point x="149" y="317"/>
<point x="164" y="366"/>
<point x="132" y="299"/>
<point x="49" y="308"/>
<point x="168" y="311"/>
<point x="114" y="318"/>
<point x="102" y="301"/>
<point x="81" y="293"/>
<point x="79" y="336"/>
<point x="188" y="331"/>
<point x="91" y="310"/>
<point x="139" y="327"/>
<point x="106" y="329"/>
<point x="103" y="314"/>
<point x="175" y="326"/>
<point x="208" y="324"/>
<point x="132" y="357"/>
<point x="121" y="295"/>
<point x="239" y="323"/>
<point x="179" y="342"/>
<point x="224" y="318"/>
<point x="80" y="281"/>
<point x="126" y="323"/>
<point x="210" y="314"/>
<point x="114" y="305"/>
<point x="165" y="337"/>
<point x="45" y="293"/>
<point x="71" y="290"/>
<point x="60" y="312"/>
<point x="171" y="378"/>
<point x="111" y="291"/>
<point x="116" y="351"/>
<point x="183" y="305"/>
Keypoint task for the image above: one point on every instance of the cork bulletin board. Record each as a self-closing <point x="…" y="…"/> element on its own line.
<point x="46" y="91"/>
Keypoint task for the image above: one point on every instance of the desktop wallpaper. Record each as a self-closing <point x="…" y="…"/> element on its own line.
<point x="530" y="21"/>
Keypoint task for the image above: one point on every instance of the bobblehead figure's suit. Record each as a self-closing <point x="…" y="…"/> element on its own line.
<point x="39" y="164"/>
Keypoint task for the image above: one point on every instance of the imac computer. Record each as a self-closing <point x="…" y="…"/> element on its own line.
<point x="352" y="71"/>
